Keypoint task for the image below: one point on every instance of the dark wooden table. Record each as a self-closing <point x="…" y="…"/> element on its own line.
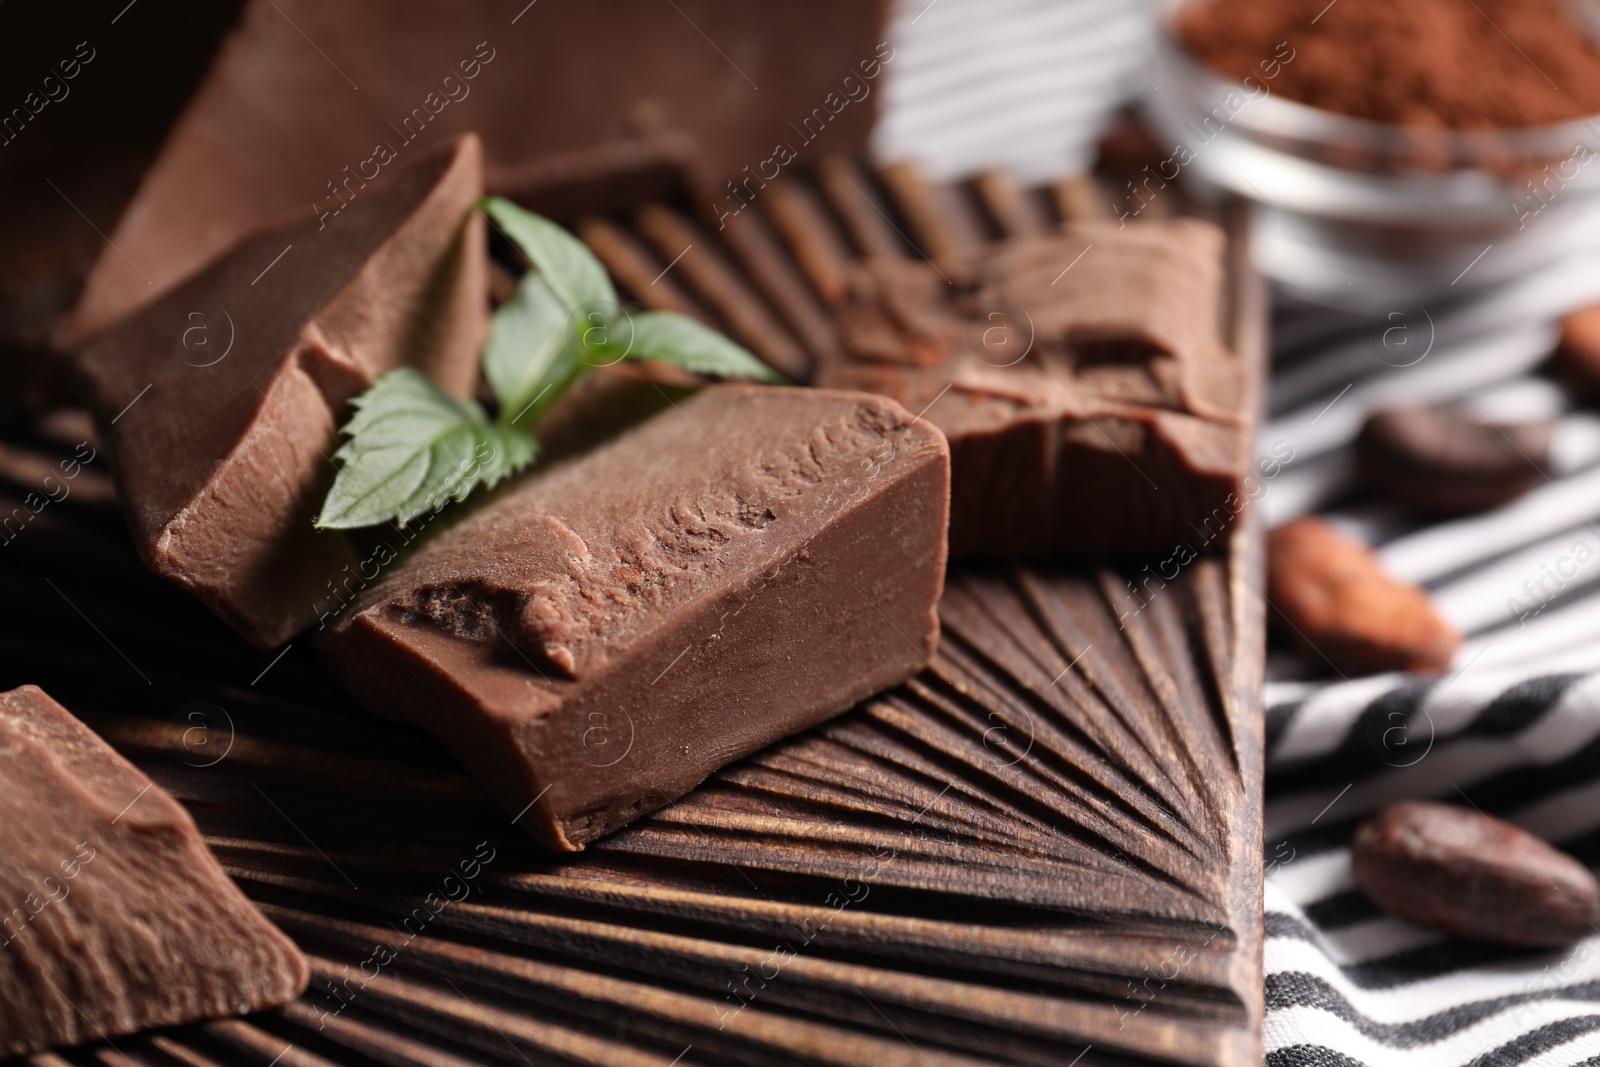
<point x="1045" y="848"/>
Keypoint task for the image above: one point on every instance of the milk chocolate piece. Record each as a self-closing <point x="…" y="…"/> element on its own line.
<point x="119" y="919"/>
<point x="307" y="98"/>
<point x="1089" y="401"/>
<point x="596" y="641"/>
<point x="220" y="402"/>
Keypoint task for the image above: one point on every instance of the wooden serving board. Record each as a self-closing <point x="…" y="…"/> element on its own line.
<point x="1046" y="848"/>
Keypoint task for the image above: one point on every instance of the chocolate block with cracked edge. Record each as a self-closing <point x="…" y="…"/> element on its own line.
<point x="278" y="125"/>
<point x="597" y="639"/>
<point x="1091" y="409"/>
<point x="220" y="402"/>
<point x="118" y="917"/>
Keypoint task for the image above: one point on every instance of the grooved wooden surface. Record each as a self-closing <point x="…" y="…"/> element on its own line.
<point x="1045" y="848"/>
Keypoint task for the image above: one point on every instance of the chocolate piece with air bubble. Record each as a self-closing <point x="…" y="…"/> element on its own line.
<point x="599" y="636"/>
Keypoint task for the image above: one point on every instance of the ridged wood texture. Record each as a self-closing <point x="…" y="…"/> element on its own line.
<point x="1045" y="848"/>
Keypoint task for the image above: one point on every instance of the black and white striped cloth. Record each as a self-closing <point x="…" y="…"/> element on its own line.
<point x="1513" y="727"/>
<point x="1022" y="84"/>
<point x="1346" y="984"/>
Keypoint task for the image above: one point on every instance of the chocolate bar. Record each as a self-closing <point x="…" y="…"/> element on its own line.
<point x="118" y="918"/>
<point x="220" y="402"/>
<point x="599" y="637"/>
<point x="306" y="100"/>
<point x="1089" y="401"/>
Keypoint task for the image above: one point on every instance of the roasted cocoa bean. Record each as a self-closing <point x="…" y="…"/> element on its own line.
<point x="1474" y="876"/>
<point x="1331" y="593"/>
<point x="1577" y="361"/>
<point x="1447" y="460"/>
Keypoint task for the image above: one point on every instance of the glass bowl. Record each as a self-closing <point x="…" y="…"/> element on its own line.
<point x="1353" y="213"/>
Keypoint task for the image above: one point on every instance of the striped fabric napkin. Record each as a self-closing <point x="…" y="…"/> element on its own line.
<point x="1512" y="728"/>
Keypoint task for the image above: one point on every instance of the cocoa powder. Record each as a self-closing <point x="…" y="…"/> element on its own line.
<point x="1421" y="63"/>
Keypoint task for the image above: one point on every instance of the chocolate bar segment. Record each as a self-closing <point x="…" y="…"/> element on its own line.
<point x="1089" y="401"/>
<point x="119" y="919"/>
<point x="280" y="123"/>
<point x="740" y="566"/>
<point x="221" y="401"/>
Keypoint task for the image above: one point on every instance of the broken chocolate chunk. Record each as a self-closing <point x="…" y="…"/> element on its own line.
<point x="279" y="125"/>
<point x="220" y="402"/>
<point x="597" y="639"/>
<point x="118" y="918"/>
<point x="1090" y="403"/>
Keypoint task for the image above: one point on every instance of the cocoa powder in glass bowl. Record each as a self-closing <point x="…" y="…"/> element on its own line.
<point x="1386" y="143"/>
<point x="1483" y="64"/>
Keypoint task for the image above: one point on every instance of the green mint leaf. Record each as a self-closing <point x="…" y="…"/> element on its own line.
<point x="413" y="447"/>
<point x="573" y="273"/>
<point x="525" y="340"/>
<point x="673" y="338"/>
<point x="563" y="369"/>
<point x="503" y="451"/>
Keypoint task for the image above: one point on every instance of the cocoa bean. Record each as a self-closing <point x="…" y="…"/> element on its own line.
<point x="1446" y="460"/>
<point x="1474" y="876"/>
<point x="1334" y="596"/>
<point x="1577" y="361"/>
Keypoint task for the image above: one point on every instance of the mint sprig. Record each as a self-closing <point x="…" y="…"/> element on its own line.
<point x="671" y="338"/>
<point x="574" y="275"/>
<point x="526" y="355"/>
<point x="412" y="447"/>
